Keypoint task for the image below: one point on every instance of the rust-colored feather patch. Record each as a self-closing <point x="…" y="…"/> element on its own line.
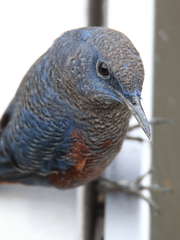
<point x="78" y="150"/>
<point x="82" y="157"/>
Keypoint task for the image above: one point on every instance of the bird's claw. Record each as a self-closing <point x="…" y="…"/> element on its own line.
<point x="133" y="187"/>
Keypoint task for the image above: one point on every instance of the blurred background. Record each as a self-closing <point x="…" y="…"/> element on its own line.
<point x="28" y="28"/>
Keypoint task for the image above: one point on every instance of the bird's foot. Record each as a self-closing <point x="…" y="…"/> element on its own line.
<point x="133" y="187"/>
<point x="154" y="121"/>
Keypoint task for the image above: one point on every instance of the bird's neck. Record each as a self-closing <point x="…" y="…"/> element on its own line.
<point x="107" y="124"/>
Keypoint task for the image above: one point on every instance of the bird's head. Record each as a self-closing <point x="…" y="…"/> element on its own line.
<point x="103" y="67"/>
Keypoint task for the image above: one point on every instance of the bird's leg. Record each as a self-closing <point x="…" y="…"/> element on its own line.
<point x="154" y="121"/>
<point x="133" y="187"/>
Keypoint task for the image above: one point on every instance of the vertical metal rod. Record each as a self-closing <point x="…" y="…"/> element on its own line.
<point x="97" y="15"/>
<point x="97" y="12"/>
<point x="166" y="150"/>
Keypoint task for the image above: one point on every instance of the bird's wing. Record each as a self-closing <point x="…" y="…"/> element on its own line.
<point x="33" y="144"/>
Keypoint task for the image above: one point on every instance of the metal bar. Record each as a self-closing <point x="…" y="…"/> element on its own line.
<point x="97" y="12"/>
<point x="91" y="218"/>
<point x="166" y="150"/>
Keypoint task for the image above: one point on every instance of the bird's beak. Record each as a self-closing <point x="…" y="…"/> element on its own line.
<point x="137" y="111"/>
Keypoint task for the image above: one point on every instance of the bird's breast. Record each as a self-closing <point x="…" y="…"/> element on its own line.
<point x="89" y="156"/>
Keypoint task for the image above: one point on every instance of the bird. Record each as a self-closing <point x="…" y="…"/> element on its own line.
<point x="70" y="114"/>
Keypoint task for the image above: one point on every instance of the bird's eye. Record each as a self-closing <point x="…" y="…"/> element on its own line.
<point x="103" y="69"/>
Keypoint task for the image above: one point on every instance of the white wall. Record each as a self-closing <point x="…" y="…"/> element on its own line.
<point x="28" y="28"/>
<point x="128" y="217"/>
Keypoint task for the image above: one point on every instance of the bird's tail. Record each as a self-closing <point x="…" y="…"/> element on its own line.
<point x="6" y="166"/>
<point x="8" y="171"/>
<point x="10" y="174"/>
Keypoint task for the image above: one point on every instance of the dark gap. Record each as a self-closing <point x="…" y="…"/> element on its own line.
<point x="4" y="121"/>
